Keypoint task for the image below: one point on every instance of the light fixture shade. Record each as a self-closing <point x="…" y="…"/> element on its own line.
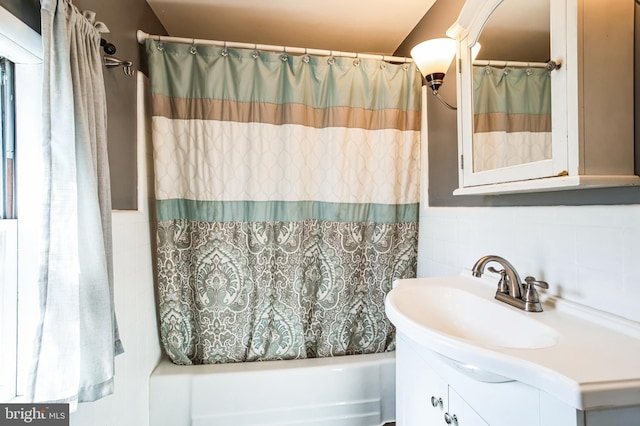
<point x="434" y="56"/>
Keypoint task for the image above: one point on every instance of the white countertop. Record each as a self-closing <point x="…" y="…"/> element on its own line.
<point x="594" y="364"/>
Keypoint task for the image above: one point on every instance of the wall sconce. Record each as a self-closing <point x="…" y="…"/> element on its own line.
<point x="433" y="58"/>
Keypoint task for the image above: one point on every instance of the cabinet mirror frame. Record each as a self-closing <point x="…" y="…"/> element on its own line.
<point x="588" y="149"/>
<point x="466" y="30"/>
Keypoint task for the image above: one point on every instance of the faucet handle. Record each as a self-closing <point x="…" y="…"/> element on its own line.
<point x="530" y="293"/>
<point x="530" y="281"/>
<point x="503" y="285"/>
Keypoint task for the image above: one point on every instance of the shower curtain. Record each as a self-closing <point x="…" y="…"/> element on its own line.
<point x="512" y="116"/>
<point x="286" y="197"/>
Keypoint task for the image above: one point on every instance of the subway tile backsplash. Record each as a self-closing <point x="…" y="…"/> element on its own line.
<point x="588" y="254"/>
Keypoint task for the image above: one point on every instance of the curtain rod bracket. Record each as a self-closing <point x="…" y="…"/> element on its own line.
<point x="113" y="62"/>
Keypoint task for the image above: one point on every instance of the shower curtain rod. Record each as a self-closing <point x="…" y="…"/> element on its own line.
<point x="551" y="65"/>
<point x="142" y="36"/>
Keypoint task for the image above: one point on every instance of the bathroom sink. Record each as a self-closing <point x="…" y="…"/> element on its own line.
<point x="455" y="313"/>
<point x="458" y="321"/>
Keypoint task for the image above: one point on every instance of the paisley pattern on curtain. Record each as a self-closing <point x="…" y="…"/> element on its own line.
<point x="512" y="116"/>
<point x="286" y="198"/>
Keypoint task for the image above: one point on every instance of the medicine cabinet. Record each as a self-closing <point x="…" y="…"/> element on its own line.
<point x="581" y="133"/>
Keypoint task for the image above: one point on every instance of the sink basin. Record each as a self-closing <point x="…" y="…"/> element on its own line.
<point x="455" y="321"/>
<point x="460" y="314"/>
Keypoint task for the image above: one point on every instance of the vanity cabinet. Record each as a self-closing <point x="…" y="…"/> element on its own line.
<point x="591" y="95"/>
<point x="416" y="386"/>
<point x="424" y="398"/>
<point x="421" y="375"/>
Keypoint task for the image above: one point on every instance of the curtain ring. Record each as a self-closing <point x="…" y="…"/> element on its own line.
<point x="305" y="57"/>
<point x="487" y="68"/>
<point x="331" y="59"/>
<point x="255" y="54"/>
<point x="284" y="56"/>
<point x="405" y="66"/>
<point x="193" y="49"/>
<point x="356" y="62"/>
<point x="506" y="70"/>
<point x="160" y="45"/>
<point x="224" y="52"/>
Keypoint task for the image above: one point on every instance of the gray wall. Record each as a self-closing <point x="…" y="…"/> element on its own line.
<point x="443" y="145"/>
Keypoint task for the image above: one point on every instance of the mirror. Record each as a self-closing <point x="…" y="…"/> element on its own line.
<point x="512" y="88"/>
<point x="517" y="30"/>
<point x="568" y="141"/>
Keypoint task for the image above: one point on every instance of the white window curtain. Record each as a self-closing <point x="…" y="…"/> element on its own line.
<point x="77" y="337"/>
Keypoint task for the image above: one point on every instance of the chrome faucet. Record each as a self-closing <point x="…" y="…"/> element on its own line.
<point x="513" y="279"/>
<point x="509" y="286"/>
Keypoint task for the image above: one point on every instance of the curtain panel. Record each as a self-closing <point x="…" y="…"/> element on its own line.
<point x="77" y="335"/>
<point x="512" y="116"/>
<point x="287" y="200"/>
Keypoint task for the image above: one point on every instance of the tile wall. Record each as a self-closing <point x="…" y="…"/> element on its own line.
<point x="135" y="304"/>
<point x="588" y="254"/>
<point x="135" y="309"/>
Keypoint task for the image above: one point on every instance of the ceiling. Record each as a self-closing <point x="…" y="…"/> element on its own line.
<point x="363" y="26"/>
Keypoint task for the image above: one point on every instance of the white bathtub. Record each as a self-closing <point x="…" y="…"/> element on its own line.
<point x="354" y="390"/>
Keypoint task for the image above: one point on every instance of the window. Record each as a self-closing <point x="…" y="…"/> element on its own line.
<point x="8" y="233"/>
<point x="7" y="142"/>
<point x="20" y="186"/>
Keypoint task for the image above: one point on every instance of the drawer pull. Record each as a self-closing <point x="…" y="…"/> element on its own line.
<point x="436" y="402"/>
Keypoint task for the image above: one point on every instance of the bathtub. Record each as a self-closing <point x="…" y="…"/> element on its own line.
<point x="356" y="390"/>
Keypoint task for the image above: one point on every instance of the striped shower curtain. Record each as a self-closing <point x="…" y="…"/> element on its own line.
<point x="512" y="116"/>
<point x="287" y="201"/>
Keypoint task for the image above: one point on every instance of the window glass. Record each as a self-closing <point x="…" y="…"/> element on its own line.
<point x="7" y="130"/>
